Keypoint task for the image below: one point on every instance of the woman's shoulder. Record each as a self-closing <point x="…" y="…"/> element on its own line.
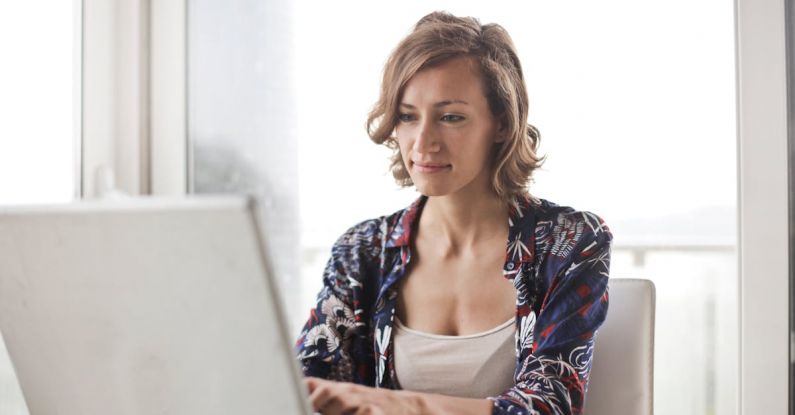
<point x="553" y="212"/>
<point x="560" y="228"/>
<point x="375" y="234"/>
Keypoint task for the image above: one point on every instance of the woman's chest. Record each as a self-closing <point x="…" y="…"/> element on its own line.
<point x="455" y="297"/>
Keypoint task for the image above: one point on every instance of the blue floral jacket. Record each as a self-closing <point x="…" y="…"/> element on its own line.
<point x="558" y="259"/>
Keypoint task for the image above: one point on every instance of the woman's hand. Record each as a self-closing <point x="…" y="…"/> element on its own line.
<point x="342" y="398"/>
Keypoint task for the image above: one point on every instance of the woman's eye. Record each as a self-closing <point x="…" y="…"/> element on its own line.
<point x="405" y="117"/>
<point x="452" y="118"/>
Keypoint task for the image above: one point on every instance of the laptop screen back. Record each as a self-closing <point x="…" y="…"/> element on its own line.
<point x="144" y="306"/>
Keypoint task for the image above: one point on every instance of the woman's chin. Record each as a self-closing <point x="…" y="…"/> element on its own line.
<point x="429" y="190"/>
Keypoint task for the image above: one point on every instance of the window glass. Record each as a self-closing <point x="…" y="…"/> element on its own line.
<point x="242" y="117"/>
<point x="37" y="129"/>
<point x="635" y="103"/>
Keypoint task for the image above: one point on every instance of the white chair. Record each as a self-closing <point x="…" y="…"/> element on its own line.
<point x="622" y="375"/>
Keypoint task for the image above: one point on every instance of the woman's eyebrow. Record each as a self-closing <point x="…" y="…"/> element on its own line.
<point x="438" y="104"/>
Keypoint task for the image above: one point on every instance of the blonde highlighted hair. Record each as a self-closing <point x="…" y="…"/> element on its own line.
<point x="438" y="37"/>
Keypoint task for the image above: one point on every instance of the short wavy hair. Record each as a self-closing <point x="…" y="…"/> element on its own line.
<point x="440" y="36"/>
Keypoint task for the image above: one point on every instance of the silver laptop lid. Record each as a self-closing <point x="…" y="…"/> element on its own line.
<point x="144" y="306"/>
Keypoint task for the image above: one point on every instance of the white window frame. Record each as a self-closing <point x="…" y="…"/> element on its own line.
<point x="134" y="96"/>
<point x="763" y="206"/>
<point x="77" y="98"/>
<point x="169" y="132"/>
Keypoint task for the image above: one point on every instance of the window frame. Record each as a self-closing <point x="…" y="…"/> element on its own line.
<point x="170" y="152"/>
<point x="134" y="97"/>
<point x="763" y="192"/>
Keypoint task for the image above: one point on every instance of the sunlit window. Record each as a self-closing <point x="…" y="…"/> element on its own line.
<point x="635" y="104"/>
<point x="38" y="127"/>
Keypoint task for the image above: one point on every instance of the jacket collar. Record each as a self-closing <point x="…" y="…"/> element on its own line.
<point x="520" y="248"/>
<point x="399" y="231"/>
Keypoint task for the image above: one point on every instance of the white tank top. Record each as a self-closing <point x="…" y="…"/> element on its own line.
<point x="472" y="366"/>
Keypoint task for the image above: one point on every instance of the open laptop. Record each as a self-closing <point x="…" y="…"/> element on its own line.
<point x="145" y="306"/>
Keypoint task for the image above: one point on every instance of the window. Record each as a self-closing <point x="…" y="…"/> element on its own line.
<point x="40" y="126"/>
<point x="637" y="120"/>
<point x="638" y="96"/>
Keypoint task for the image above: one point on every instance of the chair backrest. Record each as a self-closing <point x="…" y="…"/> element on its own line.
<point x="622" y="375"/>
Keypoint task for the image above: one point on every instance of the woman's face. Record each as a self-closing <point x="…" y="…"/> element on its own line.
<point x="446" y="131"/>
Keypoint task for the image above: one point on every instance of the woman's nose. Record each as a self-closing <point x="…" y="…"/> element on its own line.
<point x="426" y="140"/>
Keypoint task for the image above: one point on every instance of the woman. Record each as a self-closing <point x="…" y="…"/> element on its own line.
<point x="430" y="310"/>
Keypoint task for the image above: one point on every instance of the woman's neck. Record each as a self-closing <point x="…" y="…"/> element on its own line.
<point x="461" y="225"/>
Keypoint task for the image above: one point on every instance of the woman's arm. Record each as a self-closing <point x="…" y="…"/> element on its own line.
<point x="333" y="342"/>
<point x="555" y="365"/>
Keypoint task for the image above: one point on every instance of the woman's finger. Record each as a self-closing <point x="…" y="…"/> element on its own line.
<point x="311" y="383"/>
<point x="337" y="405"/>
<point x="320" y="396"/>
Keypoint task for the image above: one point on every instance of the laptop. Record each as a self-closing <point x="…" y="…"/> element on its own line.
<point x="145" y="306"/>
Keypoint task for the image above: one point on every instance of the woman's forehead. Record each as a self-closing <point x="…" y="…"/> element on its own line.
<point x="454" y="80"/>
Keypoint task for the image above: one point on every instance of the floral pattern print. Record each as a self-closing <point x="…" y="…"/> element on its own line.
<point x="558" y="259"/>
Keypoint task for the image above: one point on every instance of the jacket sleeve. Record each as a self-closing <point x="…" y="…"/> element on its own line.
<point x="333" y="342"/>
<point x="552" y="374"/>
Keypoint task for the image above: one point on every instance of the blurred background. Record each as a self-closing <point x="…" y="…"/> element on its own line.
<point x="635" y="101"/>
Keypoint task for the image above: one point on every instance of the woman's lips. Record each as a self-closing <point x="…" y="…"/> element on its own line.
<point x="430" y="167"/>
